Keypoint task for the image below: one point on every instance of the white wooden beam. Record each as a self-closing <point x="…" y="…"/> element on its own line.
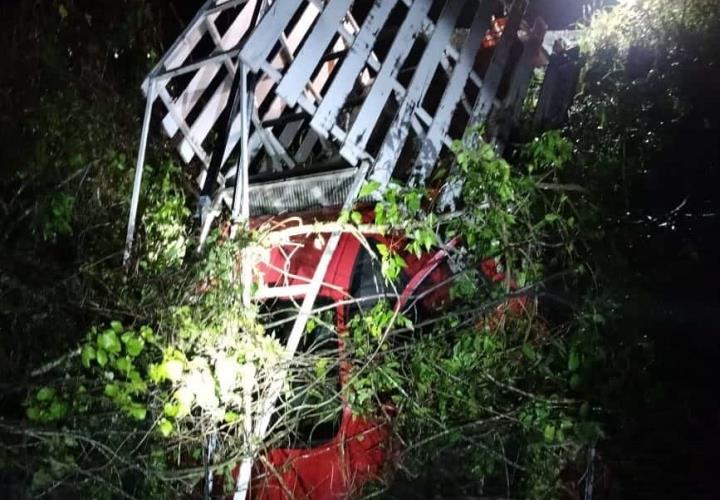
<point x="267" y="33"/>
<point x="276" y="292"/>
<point x="139" y="167"/>
<point x="432" y="143"/>
<point x="270" y="75"/>
<point x="361" y="129"/>
<point x="429" y="61"/>
<point x="302" y="68"/>
<point x="495" y="71"/>
<point x="351" y="67"/>
<point x="200" y="81"/>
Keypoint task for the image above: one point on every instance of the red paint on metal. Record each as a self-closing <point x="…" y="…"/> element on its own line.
<point x="362" y="446"/>
<point x="330" y="471"/>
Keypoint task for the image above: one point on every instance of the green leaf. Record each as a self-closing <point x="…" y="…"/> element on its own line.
<point x="528" y="351"/>
<point x="58" y="409"/>
<point x="231" y="416"/>
<point x="45" y="394"/>
<point x="155" y="373"/>
<point x="310" y="325"/>
<point x="573" y="360"/>
<point x="88" y="354"/>
<point x="124" y="364"/>
<point x="171" y="410"/>
<point x="33" y="413"/>
<point x="137" y="411"/>
<point x="356" y="217"/>
<point x="112" y="390"/>
<point x="549" y="432"/>
<point x="108" y="340"/>
<point x="165" y="427"/>
<point x="135" y="346"/>
<point x="137" y="384"/>
<point x="383" y="250"/>
<point x="62" y="10"/>
<point x="147" y="334"/>
<point x="369" y="188"/>
<point x="379" y="214"/>
<point x="116" y="326"/>
<point x="101" y="357"/>
<point x="321" y="368"/>
<point x="413" y="202"/>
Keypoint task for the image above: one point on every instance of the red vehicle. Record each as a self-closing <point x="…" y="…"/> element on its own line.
<point x="334" y="454"/>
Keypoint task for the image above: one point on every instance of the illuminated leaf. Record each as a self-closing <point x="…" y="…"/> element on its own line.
<point x="137" y="411"/>
<point x="369" y="188"/>
<point x="108" y="340"/>
<point x="165" y="427"/>
<point x="172" y="369"/>
<point x="88" y="354"/>
<point x="231" y="416"/>
<point x="171" y="410"/>
<point x="101" y="357"/>
<point x="135" y="346"/>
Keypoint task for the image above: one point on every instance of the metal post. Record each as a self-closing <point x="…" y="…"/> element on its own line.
<point x="249" y="108"/>
<point x="242" y="171"/>
<point x="139" y="166"/>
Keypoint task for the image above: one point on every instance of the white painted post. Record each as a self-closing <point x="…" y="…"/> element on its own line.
<point x="139" y="166"/>
<point x="240" y="179"/>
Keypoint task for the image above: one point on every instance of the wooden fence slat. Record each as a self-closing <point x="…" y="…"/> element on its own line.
<point x="202" y="78"/>
<point x="433" y="142"/>
<point x="211" y="112"/>
<point x="268" y="32"/>
<point x="358" y="135"/>
<point x="517" y="91"/>
<point x="400" y="127"/>
<point x="306" y="147"/>
<point x="207" y="118"/>
<point x="495" y="71"/>
<point x="350" y="68"/>
<point x="488" y="92"/>
<point x="267" y="81"/>
<point x="197" y="149"/>
<point x="297" y="76"/>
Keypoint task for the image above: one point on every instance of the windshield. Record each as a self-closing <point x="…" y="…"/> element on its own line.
<point x="310" y="409"/>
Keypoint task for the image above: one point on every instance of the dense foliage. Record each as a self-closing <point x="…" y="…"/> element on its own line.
<point x="490" y="380"/>
<point x="645" y="126"/>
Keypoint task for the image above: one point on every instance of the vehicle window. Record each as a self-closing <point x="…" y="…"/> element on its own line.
<point x="310" y="410"/>
<point x="368" y="284"/>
